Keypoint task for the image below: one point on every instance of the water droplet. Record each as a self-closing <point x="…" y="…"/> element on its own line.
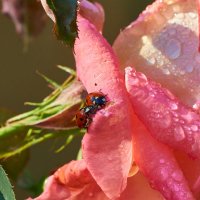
<point x="192" y="15"/>
<point x="109" y="158"/>
<point x="162" y="161"/>
<point x="164" y="173"/>
<point x="173" y="106"/>
<point x="194" y="127"/>
<point x="197" y="58"/>
<point x="91" y="194"/>
<point x="172" y="32"/>
<point x="176" y="188"/>
<point x="121" y="146"/>
<point x="177" y="175"/>
<point x="152" y="61"/>
<point x="176" y="119"/>
<point x="180" y="15"/>
<point x="166" y="71"/>
<point x="179" y="133"/>
<point x="173" y="49"/>
<point x="189" y="68"/>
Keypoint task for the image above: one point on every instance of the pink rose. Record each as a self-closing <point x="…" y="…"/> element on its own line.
<point x="152" y="124"/>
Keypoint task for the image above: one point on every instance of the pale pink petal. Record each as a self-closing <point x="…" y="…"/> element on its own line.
<point x="94" y="12"/>
<point x="191" y="170"/>
<point x="53" y="191"/>
<point x="138" y="188"/>
<point x="14" y="9"/>
<point x="168" y="120"/>
<point x="163" y="44"/>
<point x="198" y="5"/>
<point x="107" y="147"/>
<point x="158" y="164"/>
<point x="28" y="18"/>
<point x="72" y="182"/>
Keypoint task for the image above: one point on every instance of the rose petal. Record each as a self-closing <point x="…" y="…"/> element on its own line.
<point x="158" y="164"/>
<point x="25" y="15"/>
<point x="138" y="188"/>
<point x="53" y="190"/>
<point x="93" y="12"/>
<point x="72" y="181"/>
<point x="9" y="7"/>
<point x="107" y="147"/>
<point x="163" y="44"/>
<point x="168" y="120"/>
<point x="191" y="170"/>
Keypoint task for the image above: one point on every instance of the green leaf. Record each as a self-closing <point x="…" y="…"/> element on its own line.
<point x="68" y="141"/>
<point x="79" y="155"/>
<point x="48" y="80"/>
<point x="67" y="69"/>
<point x="6" y="192"/>
<point x="65" y="12"/>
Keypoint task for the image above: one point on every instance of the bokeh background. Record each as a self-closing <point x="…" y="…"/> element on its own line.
<point x="20" y="83"/>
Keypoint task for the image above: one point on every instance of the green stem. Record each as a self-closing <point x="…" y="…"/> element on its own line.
<point x="27" y="145"/>
<point x="11" y="129"/>
<point x="38" y="140"/>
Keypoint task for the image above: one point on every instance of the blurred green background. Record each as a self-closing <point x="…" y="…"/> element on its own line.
<point x="20" y="83"/>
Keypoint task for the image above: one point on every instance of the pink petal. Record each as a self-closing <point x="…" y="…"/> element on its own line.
<point x="138" y="188"/>
<point x="191" y="170"/>
<point x="93" y="12"/>
<point x="107" y="147"/>
<point x="53" y="191"/>
<point x="163" y="44"/>
<point x="198" y="5"/>
<point x="168" y="120"/>
<point x="72" y="182"/>
<point x="17" y="10"/>
<point x="158" y="164"/>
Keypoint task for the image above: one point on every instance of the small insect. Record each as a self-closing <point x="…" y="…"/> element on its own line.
<point x="82" y="119"/>
<point x="96" y="99"/>
<point x="94" y="102"/>
<point x="83" y="116"/>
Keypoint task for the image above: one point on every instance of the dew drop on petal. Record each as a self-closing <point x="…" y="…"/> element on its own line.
<point x="173" y="49"/>
<point x="189" y="68"/>
<point x="173" y="106"/>
<point x="192" y="15"/>
<point x="172" y="32"/>
<point x="179" y="133"/>
<point x="176" y="188"/>
<point x="177" y="176"/>
<point x="164" y="173"/>
<point x="152" y="61"/>
<point x="109" y="158"/>
<point x="162" y="161"/>
<point x="91" y="194"/>
<point x="197" y="58"/>
<point x="194" y="127"/>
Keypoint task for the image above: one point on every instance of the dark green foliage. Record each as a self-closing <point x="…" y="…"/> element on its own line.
<point x="65" y="12"/>
<point x="6" y="192"/>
